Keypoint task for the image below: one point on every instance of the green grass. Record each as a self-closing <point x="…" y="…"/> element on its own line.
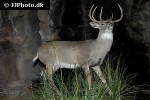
<point x="74" y="87"/>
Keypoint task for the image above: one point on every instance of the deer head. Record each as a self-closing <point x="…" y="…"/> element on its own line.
<point x="106" y="25"/>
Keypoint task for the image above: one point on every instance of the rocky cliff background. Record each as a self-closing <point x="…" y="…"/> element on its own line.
<point x="23" y="31"/>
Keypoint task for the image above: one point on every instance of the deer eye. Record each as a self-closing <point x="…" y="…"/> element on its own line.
<point x="110" y="24"/>
<point x="103" y="24"/>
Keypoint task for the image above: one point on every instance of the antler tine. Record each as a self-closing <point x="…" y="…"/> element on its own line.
<point x="100" y="15"/>
<point x="90" y="13"/>
<point x="93" y="13"/>
<point x="92" y="17"/>
<point x="112" y="16"/>
<point x="121" y="10"/>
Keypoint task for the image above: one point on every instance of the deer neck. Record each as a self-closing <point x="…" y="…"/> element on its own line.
<point x="105" y="35"/>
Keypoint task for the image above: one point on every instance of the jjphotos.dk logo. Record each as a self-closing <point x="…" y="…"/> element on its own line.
<point x="12" y="5"/>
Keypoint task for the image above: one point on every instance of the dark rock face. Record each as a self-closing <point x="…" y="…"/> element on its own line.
<point x="136" y="24"/>
<point x="22" y="32"/>
<point x="19" y="40"/>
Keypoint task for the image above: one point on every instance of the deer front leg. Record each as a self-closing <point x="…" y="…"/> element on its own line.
<point x="98" y="71"/>
<point x="50" y="73"/>
<point x="87" y="74"/>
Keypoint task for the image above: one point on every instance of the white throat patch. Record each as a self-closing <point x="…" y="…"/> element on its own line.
<point x="107" y="36"/>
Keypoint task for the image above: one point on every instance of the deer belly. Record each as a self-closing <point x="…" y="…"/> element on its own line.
<point x="66" y="65"/>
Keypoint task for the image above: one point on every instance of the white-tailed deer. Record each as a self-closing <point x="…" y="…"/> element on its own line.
<point x="74" y="54"/>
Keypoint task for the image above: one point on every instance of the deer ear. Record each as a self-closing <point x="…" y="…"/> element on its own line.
<point x="94" y="25"/>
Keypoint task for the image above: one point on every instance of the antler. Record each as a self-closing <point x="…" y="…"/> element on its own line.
<point x="92" y="15"/>
<point x="121" y="10"/>
<point x="100" y="15"/>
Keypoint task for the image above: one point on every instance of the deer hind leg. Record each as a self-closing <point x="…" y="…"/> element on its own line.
<point x="98" y="71"/>
<point x="50" y="73"/>
<point x="87" y="75"/>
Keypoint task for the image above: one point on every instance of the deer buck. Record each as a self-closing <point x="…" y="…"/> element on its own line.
<point x="85" y="54"/>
